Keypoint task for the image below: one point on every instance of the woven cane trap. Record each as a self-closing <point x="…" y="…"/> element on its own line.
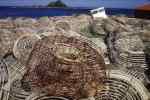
<point x="62" y="65"/>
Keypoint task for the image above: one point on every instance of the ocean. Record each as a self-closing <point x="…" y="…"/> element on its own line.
<point x="39" y="12"/>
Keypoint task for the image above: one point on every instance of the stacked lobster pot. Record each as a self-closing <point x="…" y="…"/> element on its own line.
<point x="126" y="50"/>
<point x="3" y="78"/>
<point x="137" y="59"/>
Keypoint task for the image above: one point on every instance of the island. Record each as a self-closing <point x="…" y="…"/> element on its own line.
<point x="57" y="3"/>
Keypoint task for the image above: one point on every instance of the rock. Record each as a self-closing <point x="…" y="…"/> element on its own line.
<point x="23" y="47"/>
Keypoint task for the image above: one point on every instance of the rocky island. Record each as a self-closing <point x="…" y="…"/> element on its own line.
<point x="57" y="3"/>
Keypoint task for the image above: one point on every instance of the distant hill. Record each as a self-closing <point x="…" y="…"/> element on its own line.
<point x="57" y="3"/>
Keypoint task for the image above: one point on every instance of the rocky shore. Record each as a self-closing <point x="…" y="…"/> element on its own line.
<point x="124" y="42"/>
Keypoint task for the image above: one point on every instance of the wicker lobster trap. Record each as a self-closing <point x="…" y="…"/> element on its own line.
<point x="62" y="65"/>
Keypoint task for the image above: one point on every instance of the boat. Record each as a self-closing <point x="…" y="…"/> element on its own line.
<point x="99" y="12"/>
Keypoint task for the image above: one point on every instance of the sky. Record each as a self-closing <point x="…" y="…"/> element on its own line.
<point x="78" y="3"/>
